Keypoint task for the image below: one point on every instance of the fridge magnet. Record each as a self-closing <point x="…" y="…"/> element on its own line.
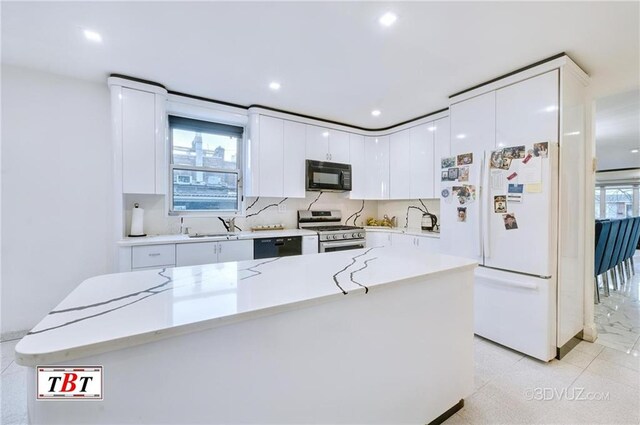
<point x="465" y="193"/>
<point x="534" y="188"/>
<point x="527" y="158"/>
<point x="531" y="172"/>
<point x="515" y="188"/>
<point x="448" y="162"/>
<point x="445" y="193"/>
<point x="506" y="163"/>
<point x="497" y="180"/>
<point x="512" y="176"/>
<point x="463" y="174"/>
<point x="496" y="159"/>
<point x="515" y="152"/>
<point x="445" y="176"/>
<point x="453" y="174"/>
<point x="510" y="222"/>
<point x="500" y="204"/>
<point x="514" y="198"/>
<point x="465" y="159"/>
<point x="462" y="214"/>
<point x="541" y="149"/>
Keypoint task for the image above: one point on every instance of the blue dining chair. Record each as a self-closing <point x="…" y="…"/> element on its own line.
<point x="601" y="235"/>
<point x="625" y="233"/>
<point x="631" y="247"/>
<point x="607" y="256"/>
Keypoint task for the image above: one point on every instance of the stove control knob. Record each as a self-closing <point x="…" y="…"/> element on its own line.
<point x="361" y="235"/>
<point x="355" y="235"/>
<point x="334" y="236"/>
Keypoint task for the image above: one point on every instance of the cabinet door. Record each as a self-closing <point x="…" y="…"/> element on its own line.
<point x="428" y="244"/>
<point x="294" y="157"/>
<point x="421" y="162"/>
<point x="153" y="256"/>
<point x="271" y="156"/>
<point x="194" y="254"/>
<point x="339" y="146"/>
<point x="358" y="167"/>
<point x="402" y="241"/>
<point x="400" y="165"/>
<point x="309" y="245"/>
<point x="138" y="141"/>
<point x="317" y="143"/>
<point x="441" y="150"/>
<point x="473" y="125"/>
<point x="527" y="112"/>
<point x="235" y="250"/>
<point x="376" y="150"/>
<point x="374" y="239"/>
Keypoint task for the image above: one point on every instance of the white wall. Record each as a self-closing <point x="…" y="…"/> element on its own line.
<point x="56" y="188"/>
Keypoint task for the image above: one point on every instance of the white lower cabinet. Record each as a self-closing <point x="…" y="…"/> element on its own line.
<point x="378" y="239"/>
<point x="423" y="243"/>
<point x="147" y="256"/>
<point x="309" y="245"/>
<point x="193" y="254"/>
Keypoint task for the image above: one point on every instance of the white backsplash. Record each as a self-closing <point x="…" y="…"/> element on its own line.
<point x="399" y="210"/>
<point x="156" y="222"/>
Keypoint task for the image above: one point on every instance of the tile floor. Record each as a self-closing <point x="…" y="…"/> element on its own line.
<point x="509" y="388"/>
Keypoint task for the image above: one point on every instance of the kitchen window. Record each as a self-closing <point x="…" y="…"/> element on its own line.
<point x="205" y="166"/>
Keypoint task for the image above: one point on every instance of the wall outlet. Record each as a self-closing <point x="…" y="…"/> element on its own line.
<point x="282" y="208"/>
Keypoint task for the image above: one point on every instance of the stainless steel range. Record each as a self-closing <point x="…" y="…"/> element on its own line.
<point x="332" y="236"/>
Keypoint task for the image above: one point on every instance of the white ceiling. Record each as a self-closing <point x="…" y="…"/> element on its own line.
<point x="618" y="131"/>
<point x="334" y="60"/>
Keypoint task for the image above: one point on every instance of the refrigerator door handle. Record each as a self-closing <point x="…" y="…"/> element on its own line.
<point x="488" y="207"/>
<point x="481" y="237"/>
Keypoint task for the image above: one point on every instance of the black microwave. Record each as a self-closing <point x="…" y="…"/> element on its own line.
<point x="328" y="176"/>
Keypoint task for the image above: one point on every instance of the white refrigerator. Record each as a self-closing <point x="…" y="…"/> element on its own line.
<point x="500" y="207"/>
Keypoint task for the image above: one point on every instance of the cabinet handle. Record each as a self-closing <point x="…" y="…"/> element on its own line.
<point x="154" y="254"/>
<point x="219" y="248"/>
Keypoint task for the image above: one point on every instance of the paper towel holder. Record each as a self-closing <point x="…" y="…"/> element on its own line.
<point x="135" y="217"/>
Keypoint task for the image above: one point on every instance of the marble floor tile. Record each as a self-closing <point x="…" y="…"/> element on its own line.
<point x="13" y="395"/>
<point x="579" y="358"/>
<point x="589" y="347"/>
<point x="615" y="372"/>
<point x="630" y="360"/>
<point x="7" y="353"/>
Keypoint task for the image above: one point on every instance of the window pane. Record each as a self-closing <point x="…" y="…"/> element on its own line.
<point x="201" y="190"/>
<point x="201" y="149"/>
<point x="619" y="201"/>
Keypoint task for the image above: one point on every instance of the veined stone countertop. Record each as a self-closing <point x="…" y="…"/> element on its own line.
<point x="163" y="239"/>
<point x="404" y="231"/>
<point x="115" y="311"/>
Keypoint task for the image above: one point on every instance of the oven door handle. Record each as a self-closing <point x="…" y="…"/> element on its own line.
<point x="343" y="243"/>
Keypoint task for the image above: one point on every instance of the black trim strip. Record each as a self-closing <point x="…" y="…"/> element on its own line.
<point x="137" y="80"/>
<point x="235" y="105"/>
<point x="449" y="413"/>
<point x="345" y="124"/>
<point x="618" y="169"/>
<point x="549" y="59"/>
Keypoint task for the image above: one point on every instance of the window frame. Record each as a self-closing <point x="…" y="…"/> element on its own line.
<point x="238" y="210"/>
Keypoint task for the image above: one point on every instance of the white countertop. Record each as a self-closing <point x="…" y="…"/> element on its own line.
<point x="163" y="239"/>
<point x="402" y="230"/>
<point x="115" y="311"/>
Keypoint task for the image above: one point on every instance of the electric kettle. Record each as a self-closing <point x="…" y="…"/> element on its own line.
<point x="429" y="221"/>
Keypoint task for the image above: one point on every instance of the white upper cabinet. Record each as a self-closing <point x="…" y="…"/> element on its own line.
<point x="358" y="167"/>
<point x="441" y="148"/>
<point x="421" y="161"/>
<point x="142" y="125"/>
<point x="275" y="159"/>
<point x="271" y="156"/>
<point x="400" y="165"/>
<point x="324" y="144"/>
<point x="473" y="125"/>
<point x="376" y="153"/>
<point x="294" y="160"/>
<point x="527" y="112"/>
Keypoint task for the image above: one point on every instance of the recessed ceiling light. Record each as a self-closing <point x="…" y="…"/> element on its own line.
<point x="387" y="19"/>
<point x="461" y="136"/>
<point x="432" y="128"/>
<point x="274" y="85"/>
<point x="634" y="150"/>
<point x="375" y="113"/>
<point x="92" y="36"/>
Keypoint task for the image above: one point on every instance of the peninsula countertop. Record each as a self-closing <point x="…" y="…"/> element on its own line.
<point x="115" y="311"/>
